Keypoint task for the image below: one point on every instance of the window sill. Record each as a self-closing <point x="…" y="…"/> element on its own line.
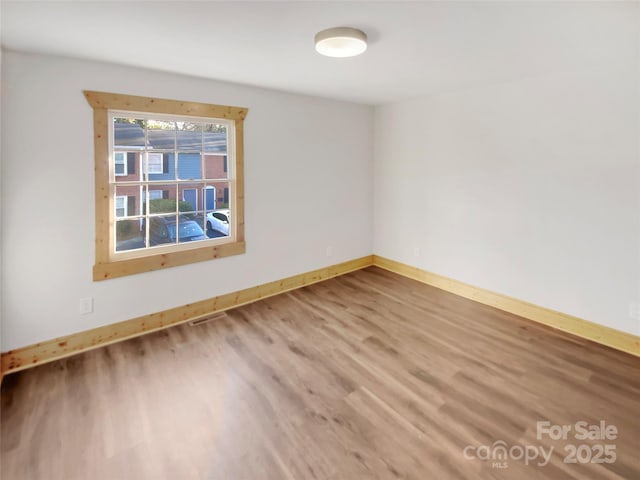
<point x="131" y="266"/>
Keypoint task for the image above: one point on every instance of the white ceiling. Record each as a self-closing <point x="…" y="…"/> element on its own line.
<point x="416" y="48"/>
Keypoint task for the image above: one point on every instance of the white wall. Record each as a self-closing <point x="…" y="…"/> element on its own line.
<point x="530" y="188"/>
<point x="308" y="185"/>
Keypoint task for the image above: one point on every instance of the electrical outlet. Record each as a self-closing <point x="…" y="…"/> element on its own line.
<point x="86" y="305"/>
<point x="634" y="310"/>
<point x="416" y="252"/>
<point x="329" y="251"/>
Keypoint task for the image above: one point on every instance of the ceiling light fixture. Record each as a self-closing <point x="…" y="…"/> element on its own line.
<point x="341" y="42"/>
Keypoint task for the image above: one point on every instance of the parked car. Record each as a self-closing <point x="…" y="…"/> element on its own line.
<point x="163" y="230"/>
<point x="218" y="220"/>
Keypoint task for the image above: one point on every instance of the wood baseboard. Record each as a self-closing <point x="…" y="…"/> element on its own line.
<point x="47" y="351"/>
<point x="610" y="337"/>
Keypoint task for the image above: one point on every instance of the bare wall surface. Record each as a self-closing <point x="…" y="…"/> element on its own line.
<point x="529" y="188"/>
<point x="308" y="165"/>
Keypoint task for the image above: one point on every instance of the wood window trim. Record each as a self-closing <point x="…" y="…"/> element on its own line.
<point x="105" y="266"/>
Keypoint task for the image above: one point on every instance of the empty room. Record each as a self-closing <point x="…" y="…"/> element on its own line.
<point x="320" y="240"/>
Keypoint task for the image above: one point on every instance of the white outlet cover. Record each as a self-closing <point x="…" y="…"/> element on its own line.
<point x="86" y="305"/>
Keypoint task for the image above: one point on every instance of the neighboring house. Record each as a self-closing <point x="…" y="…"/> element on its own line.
<point x="129" y="145"/>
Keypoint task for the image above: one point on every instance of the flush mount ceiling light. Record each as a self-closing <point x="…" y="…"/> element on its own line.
<point x="341" y="42"/>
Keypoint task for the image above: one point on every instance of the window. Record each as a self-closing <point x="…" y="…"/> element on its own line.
<point x="121" y="206"/>
<point x="155" y="163"/>
<point x="120" y="163"/>
<point x="152" y="157"/>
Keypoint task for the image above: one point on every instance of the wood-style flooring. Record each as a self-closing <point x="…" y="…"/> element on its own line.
<point x="366" y="376"/>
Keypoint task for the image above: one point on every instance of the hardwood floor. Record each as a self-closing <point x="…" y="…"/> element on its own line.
<point x="366" y="376"/>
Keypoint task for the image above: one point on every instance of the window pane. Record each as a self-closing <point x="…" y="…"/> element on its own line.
<point x="189" y="136"/>
<point x="129" y="234"/>
<point x="159" y="166"/>
<point x="218" y="216"/>
<point x="218" y="224"/>
<point x="216" y="166"/>
<point x="216" y="195"/>
<point x="161" y="135"/>
<point x="215" y="138"/>
<point x="190" y="198"/>
<point x="189" y="166"/>
<point x="200" y="218"/>
<point x="126" y="165"/>
<point x="128" y="132"/>
<point x="162" y="230"/>
<point x="126" y="202"/>
<point x="162" y="198"/>
<point x="189" y="229"/>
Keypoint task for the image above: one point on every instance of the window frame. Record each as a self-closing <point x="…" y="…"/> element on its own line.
<point x="109" y="264"/>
